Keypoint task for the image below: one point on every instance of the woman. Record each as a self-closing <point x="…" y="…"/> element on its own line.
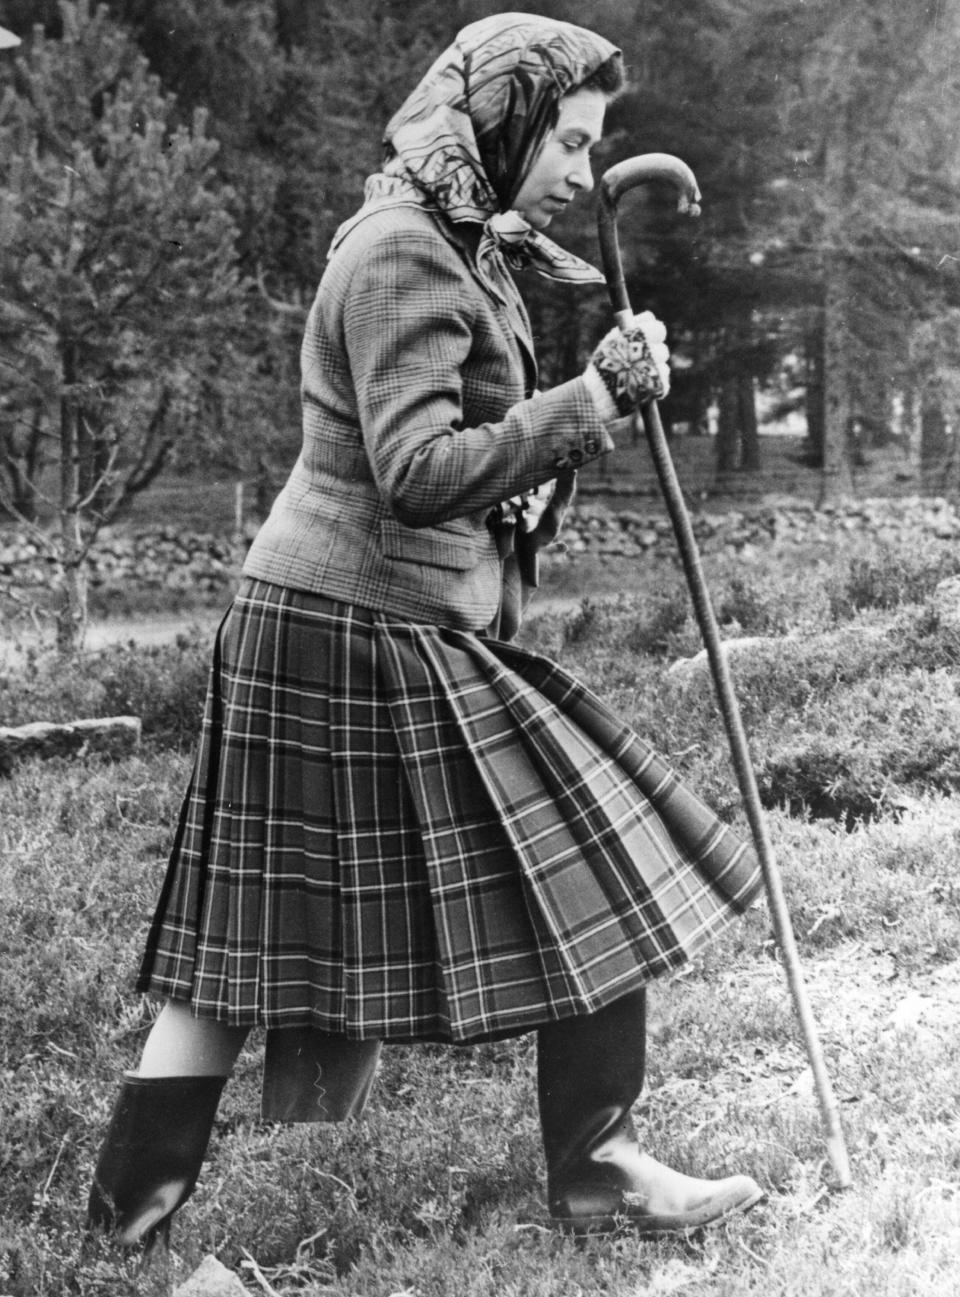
<point x="400" y="827"/>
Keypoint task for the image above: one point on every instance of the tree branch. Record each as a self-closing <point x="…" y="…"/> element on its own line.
<point x="283" y="308"/>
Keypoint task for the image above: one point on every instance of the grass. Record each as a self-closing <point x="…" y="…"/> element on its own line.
<point x="438" y="1190"/>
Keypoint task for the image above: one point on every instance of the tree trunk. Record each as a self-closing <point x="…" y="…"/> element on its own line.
<point x="93" y="461"/>
<point x="738" y="443"/>
<point x="912" y="427"/>
<point x="813" y="401"/>
<point x="71" y="606"/>
<point x="836" y="477"/>
<point x="749" y="431"/>
<point x="23" y="465"/>
<point x="934" y="444"/>
<point x="951" y="468"/>
<point x="728" y="432"/>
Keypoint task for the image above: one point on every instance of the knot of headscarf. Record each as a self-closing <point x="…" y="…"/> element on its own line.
<point x="522" y="246"/>
<point x="468" y="134"/>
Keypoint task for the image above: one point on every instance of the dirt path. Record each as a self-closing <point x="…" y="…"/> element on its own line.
<point x="161" y="628"/>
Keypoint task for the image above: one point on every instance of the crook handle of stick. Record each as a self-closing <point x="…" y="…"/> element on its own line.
<point x="626" y="175"/>
<point x="645" y="169"/>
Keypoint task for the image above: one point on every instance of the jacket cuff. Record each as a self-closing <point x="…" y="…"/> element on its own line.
<point x="575" y="432"/>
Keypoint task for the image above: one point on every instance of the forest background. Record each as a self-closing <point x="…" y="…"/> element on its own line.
<point x="172" y="172"/>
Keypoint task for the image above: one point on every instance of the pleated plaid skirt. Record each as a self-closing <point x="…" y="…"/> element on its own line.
<point x="395" y="831"/>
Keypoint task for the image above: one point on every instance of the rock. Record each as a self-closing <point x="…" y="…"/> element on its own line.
<point x="686" y="670"/>
<point x="909" y="1012"/>
<point x="211" y="1279"/>
<point x="114" y="736"/>
<point x="629" y="519"/>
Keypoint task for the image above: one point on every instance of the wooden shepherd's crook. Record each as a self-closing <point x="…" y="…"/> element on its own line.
<point x="627" y="175"/>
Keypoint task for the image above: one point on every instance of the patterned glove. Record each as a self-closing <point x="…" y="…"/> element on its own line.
<point x="629" y="367"/>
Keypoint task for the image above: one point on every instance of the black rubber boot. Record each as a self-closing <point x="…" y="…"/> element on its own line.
<point x="152" y="1155"/>
<point x="590" y="1073"/>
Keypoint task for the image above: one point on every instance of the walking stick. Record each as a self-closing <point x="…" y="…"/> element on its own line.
<point x="616" y="181"/>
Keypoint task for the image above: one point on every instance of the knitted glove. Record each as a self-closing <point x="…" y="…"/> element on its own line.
<point x="629" y="367"/>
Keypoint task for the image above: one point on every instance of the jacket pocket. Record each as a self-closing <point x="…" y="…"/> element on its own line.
<point x="429" y="546"/>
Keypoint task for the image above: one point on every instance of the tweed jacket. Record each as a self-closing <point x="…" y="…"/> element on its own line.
<point x="418" y="419"/>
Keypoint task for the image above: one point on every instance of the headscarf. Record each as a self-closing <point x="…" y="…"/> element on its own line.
<point x="467" y="136"/>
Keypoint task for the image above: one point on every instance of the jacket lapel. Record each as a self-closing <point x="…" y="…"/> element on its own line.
<point x="501" y="290"/>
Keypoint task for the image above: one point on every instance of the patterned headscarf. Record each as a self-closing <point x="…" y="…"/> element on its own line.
<point x="467" y="136"/>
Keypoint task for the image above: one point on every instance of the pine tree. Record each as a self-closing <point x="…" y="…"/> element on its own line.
<point x="118" y="284"/>
<point x="867" y="207"/>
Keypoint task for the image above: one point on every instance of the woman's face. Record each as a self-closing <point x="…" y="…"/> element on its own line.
<point x="562" y="167"/>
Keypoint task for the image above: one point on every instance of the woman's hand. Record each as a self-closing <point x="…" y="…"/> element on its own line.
<point x="629" y="367"/>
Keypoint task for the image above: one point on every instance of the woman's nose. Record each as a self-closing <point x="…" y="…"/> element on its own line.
<point x="580" y="176"/>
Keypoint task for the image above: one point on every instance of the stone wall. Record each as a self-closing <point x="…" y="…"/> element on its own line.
<point x="200" y="564"/>
<point x="161" y="558"/>
<point x="601" y="528"/>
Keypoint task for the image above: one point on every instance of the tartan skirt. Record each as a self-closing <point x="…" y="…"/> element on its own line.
<point x="400" y="832"/>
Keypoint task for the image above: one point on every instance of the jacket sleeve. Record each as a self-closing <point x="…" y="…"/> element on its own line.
<point x="409" y="330"/>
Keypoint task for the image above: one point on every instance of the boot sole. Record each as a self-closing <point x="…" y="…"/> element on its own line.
<point x="653" y="1226"/>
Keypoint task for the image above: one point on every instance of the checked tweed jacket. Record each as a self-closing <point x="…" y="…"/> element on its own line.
<point x="417" y="376"/>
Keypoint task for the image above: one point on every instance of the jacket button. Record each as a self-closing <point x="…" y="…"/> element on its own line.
<point x="591" y="446"/>
<point x="576" y="456"/>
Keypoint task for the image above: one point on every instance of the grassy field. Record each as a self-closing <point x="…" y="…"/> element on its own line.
<point x="854" y="717"/>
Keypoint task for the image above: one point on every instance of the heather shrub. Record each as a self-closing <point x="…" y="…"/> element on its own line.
<point x="162" y="684"/>
<point x="887" y="576"/>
